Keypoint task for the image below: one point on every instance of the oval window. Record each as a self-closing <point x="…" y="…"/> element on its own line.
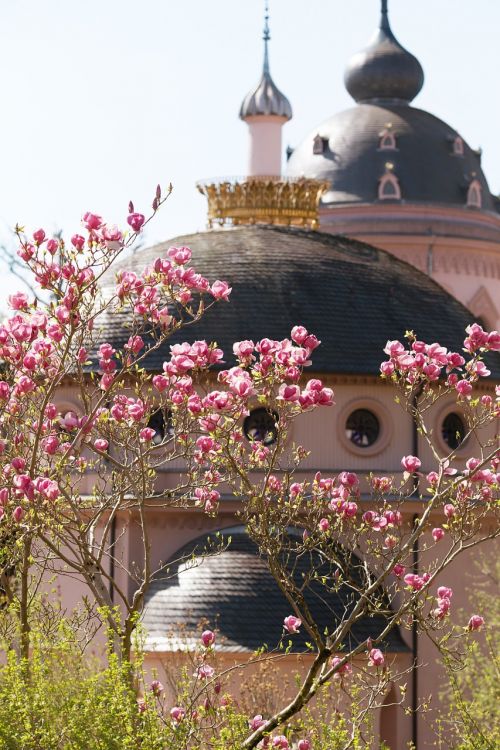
<point x="362" y="428"/>
<point x="453" y="430"/>
<point x="261" y="425"/>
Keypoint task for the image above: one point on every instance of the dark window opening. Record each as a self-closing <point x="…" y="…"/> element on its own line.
<point x="161" y="422"/>
<point x="453" y="430"/>
<point x="362" y="428"/>
<point x="261" y="425"/>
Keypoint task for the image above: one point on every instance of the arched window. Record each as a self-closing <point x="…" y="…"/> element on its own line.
<point x="458" y="146"/>
<point x="453" y="430"/>
<point x="388" y="188"/>
<point x="387" y="141"/>
<point x="474" y="198"/>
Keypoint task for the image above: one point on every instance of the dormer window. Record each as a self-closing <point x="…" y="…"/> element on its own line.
<point x="389" y="188"/>
<point x="474" y="194"/>
<point x="319" y="144"/>
<point x="387" y="140"/>
<point x="458" y="146"/>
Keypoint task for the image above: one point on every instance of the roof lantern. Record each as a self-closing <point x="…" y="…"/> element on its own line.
<point x="385" y="70"/>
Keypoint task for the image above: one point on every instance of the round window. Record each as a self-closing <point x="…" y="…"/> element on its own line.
<point x="362" y="428"/>
<point x="261" y="425"/>
<point x="162" y="425"/>
<point x="453" y="430"/>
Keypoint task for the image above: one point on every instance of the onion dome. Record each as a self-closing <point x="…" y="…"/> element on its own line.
<point x="266" y="99"/>
<point x="385" y="150"/>
<point x="233" y="590"/>
<point x="385" y="70"/>
<point x="351" y="295"/>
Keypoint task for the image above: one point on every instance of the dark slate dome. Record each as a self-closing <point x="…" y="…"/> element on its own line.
<point x="351" y="295"/>
<point x="385" y="69"/>
<point x="428" y="158"/>
<point x="234" y="591"/>
<point x="427" y="169"/>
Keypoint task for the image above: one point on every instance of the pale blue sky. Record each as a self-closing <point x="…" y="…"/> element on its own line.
<point x="102" y="99"/>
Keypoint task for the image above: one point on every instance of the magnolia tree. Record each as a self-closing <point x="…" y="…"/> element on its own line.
<point x="307" y="531"/>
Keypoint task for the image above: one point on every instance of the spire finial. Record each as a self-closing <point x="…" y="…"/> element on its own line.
<point x="266" y="37"/>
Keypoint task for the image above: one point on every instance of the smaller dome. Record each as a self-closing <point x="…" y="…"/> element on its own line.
<point x="266" y="98"/>
<point x="228" y="585"/>
<point x="385" y="70"/>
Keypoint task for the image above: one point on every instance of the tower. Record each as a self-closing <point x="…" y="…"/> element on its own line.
<point x="265" y="109"/>
<point x="403" y="180"/>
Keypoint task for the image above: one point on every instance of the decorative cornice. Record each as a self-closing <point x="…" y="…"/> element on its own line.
<point x="264" y="200"/>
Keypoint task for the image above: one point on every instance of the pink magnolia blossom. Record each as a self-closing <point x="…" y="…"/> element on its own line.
<point x="160" y="382"/>
<point x="52" y="246"/>
<point x="292" y="624"/>
<point x="437" y="534"/>
<point x="449" y="510"/>
<point x="256" y="723"/>
<point x="156" y="687"/>
<point x="180" y="255"/>
<point x="463" y="388"/>
<point x="18" y="301"/>
<point x="376" y="658"/>
<point x="17" y="514"/>
<point x="244" y="350"/>
<point x="92" y="221"/>
<point x="476" y="339"/>
<point x="280" y="742"/>
<point x="476" y="622"/>
<point x="344" y="671"/>
<point x="324" y="524"/>
<point x="101" y="444"/>
<point x="50" y="445"/>
<point x="289" y="393"/>
<point x="493" y="343"/>
<point x="304" y="745"/>
<point x="78" y="241"/>
<point x="204" y="672"/>
<point x="177" y="714"/>
<point x="398" y="570"/>
<point x="411" y="463"/>
<point x="220" y="290"/>
<point x="135" y="221"/>
<point x="299" y="334"/>
<point x="444" y="592"/>
<point x="39" y="236"/>
<point x="415" y="581"/>
<point x="208" y="638"/>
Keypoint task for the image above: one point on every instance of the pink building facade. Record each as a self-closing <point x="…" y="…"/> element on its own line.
<point x="409" y="237"/>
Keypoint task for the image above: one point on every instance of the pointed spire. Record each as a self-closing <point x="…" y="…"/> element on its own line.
<point x="266" y="98"/>
<point x="385" y="70"/>
<point x="384" y="16"/>
<point x="266" y="37"/>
